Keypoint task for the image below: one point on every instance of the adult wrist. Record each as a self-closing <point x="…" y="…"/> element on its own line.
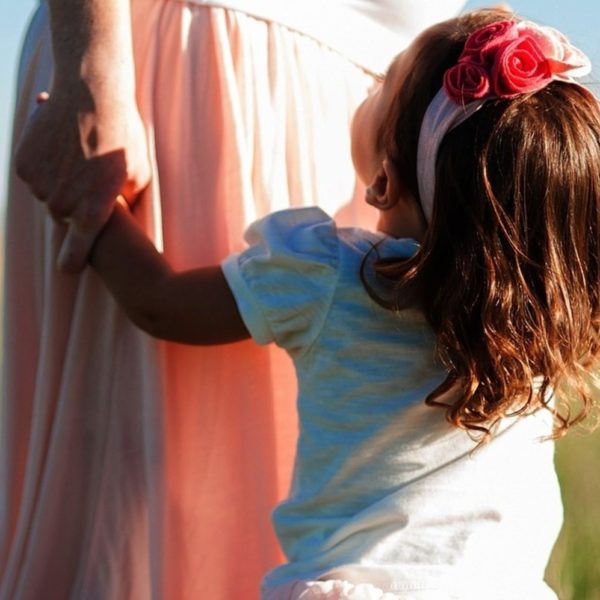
<point x="97" y="75"/>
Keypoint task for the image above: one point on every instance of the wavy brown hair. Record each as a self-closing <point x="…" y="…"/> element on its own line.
<point x="508" y="272"/>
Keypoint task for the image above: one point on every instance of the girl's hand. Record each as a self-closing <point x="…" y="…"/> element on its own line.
<point x="77" y="153"/>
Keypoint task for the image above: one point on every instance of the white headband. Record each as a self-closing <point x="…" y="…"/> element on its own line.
<point x="441" y="116"/>
<point x="502" y="60"/>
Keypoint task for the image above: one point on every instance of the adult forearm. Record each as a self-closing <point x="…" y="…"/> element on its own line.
<point x="92" y="45"/>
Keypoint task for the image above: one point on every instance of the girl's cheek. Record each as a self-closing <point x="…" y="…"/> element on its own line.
<point x="360" y="138"/>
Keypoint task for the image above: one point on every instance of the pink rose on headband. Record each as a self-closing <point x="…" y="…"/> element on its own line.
<point x="508" y="58"/>
<point x="563" y="57"/>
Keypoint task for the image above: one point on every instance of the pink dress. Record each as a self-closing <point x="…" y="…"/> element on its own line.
<point x="131" y="468"/>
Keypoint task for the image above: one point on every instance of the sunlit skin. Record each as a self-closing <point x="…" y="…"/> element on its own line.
<point x="399" y="213"/>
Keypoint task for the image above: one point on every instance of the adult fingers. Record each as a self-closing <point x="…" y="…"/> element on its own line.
<point x="85" y="224"/>
<point x="76" y="247"/>
<point x="31" y="169"/>
<point x="39" y="153"/>
<point x="85" y="189"/>
<point x="68" y="192"/>
<point x="61" y="204"/>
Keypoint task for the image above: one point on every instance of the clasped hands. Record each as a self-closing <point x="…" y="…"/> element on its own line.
<point x="77" y="156"/>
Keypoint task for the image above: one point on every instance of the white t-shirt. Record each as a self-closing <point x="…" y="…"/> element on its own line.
<point x="368" y="32"/>
<point x="384" y="490"/>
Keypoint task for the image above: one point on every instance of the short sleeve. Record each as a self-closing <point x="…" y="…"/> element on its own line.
<point x="284" y="282"/>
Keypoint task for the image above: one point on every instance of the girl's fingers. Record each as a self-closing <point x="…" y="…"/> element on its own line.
<point x="42" y="97"/>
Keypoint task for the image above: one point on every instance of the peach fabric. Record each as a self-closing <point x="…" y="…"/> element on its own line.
<point x="134" y="469"/>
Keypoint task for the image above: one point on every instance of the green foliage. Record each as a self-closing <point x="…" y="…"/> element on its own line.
<point x="574" y="569"/>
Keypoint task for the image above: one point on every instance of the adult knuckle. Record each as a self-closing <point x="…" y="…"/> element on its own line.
<point x="56" y="216"/>
<point x="104" y="204"/>
<point x="38" y="188"/>
<point x="86" y="216"/>
<point x="39" y="192"/>
<point x="23" y="168"/>
<point x="58" y="207"/>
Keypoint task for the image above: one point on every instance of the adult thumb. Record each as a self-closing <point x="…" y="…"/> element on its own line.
<point x="76" y="248"/>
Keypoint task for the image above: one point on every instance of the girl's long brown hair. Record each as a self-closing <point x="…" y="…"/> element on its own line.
<point x="508" y="273"/>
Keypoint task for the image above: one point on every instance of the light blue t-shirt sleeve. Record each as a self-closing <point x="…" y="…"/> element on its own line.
<point x="284" y="282"/>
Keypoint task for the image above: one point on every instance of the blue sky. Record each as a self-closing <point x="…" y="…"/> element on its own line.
<point x="578" y="19"/>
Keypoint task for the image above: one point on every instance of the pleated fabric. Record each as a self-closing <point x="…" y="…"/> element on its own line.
<point x="133" y="469"/>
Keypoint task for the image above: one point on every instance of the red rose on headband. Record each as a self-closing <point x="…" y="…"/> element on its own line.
<point x="466" y="81"/>
<point x="519" y="67"/>
<point x="480" y="45"/>
<point x="508" y="58"/>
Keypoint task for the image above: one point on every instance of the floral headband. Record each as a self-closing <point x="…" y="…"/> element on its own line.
<point x="502" y="60"/>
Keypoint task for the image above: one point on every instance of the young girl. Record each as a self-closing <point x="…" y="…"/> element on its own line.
<point x="476" y="298"/>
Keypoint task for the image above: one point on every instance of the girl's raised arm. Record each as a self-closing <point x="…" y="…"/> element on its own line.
<point x="191" y="307"/>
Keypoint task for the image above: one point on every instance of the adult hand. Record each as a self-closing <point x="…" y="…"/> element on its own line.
<point x="77" y="154"/>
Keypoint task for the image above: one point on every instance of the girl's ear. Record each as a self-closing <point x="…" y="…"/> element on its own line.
<point x="386" y="189"/>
